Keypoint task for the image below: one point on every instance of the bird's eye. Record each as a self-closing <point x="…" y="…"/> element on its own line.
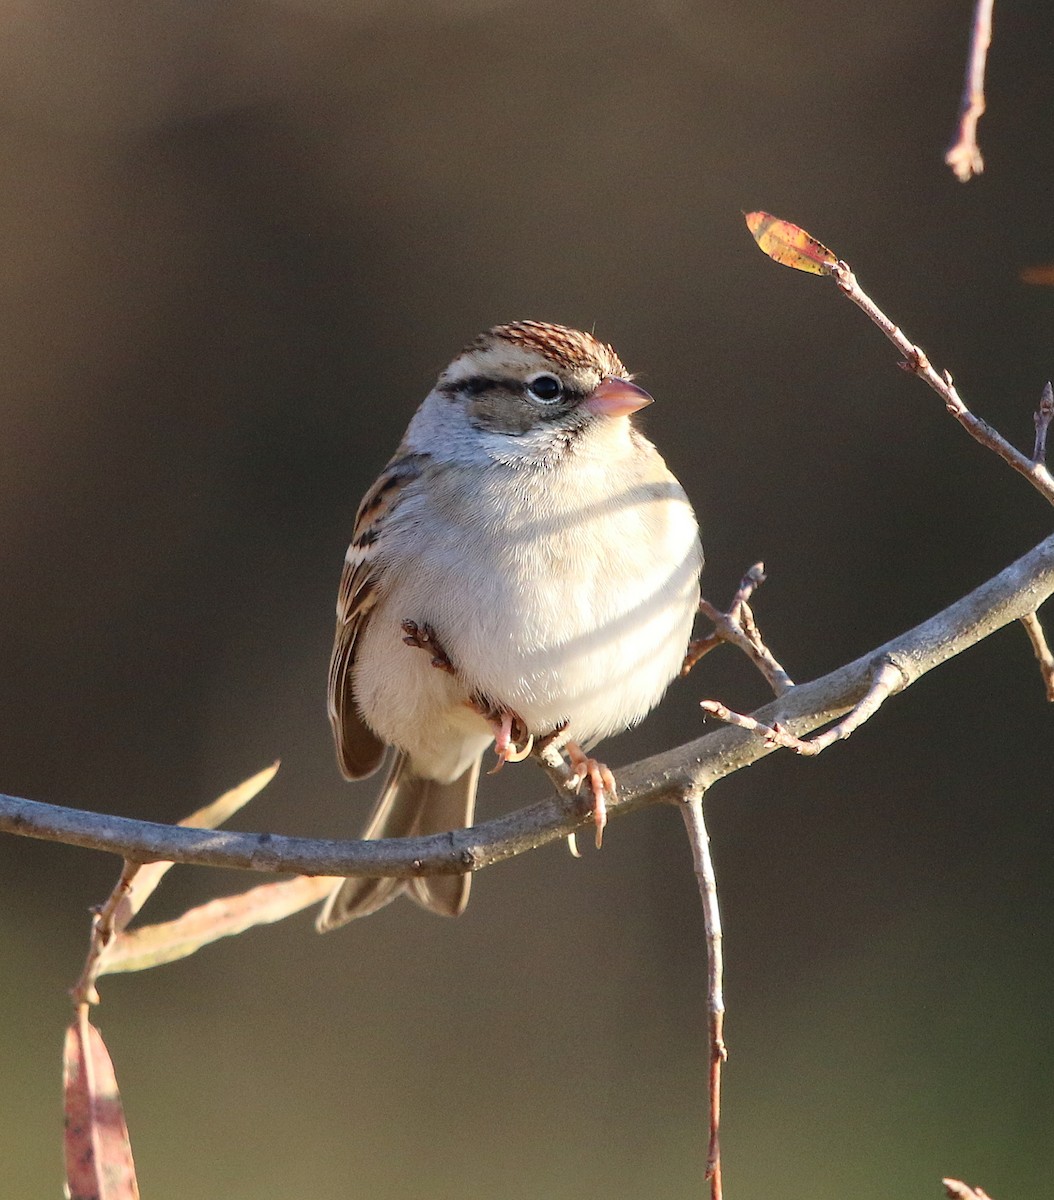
<point x="546" y="388"/>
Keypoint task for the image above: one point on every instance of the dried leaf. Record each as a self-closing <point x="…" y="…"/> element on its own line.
<point x="1042" y="276"/>
<point x="153" y="945"/>
<point x="98" y="1153"/>
<point x="789" y="244"/>
<point x="149" y="875"/>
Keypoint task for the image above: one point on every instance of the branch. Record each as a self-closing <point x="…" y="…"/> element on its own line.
<point x="106" y="921"/>
<point x="964" y="157"/>
<point x="1041" y="650"/>
<point x="666" y="778"/>
<point x="1044" y="415"/>
<point x="915" y="361"/>
<point x="692" y="812"/>
<point x="738" y="627"/>
<point x="886" y="681"/>
<point x="789" y="244"/>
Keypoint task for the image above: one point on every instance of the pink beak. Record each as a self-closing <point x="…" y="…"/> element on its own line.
<point x="617" y="398"/>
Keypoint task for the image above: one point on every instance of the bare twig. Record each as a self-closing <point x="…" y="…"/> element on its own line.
<point x="692" y="812"/>
<point x="726" y="624"/>
<point x="106" y="921"/>
<point x="1043" y="417"/>
<point x="917" y="363"/>
<point x="887" y="681"/>
<point x="1041" y="650"/>
<point x="666" y="778"/>
<point x="958" y="1190"/>
<point x="964" y="157"/>
<point x="737" y="626"/>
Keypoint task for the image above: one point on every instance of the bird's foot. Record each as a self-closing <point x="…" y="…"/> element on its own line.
<point x="424" y="638"/>
<point x="512" y="742"/>
<point x="509" y="729"/>
<point x="601" y="782"/>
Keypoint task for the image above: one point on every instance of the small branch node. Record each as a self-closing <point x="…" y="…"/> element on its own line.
<point x="843" y="275"/>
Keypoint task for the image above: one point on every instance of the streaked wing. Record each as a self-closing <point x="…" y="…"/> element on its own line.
<point x="359" y="750"/>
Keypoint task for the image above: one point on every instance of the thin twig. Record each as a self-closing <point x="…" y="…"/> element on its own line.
<point x="1043" y="417"/>
<point x="105" y="924"/>
<point x="1041" y="650"/>
<point x="888" y="679"/>
<point x="666" y="778"/>
<point x="737" y="626"/>
<point x="917" y="363"/>
<point x="692" y="812"/>
<point x="964" y="157"/>
<point x="726" y="622"/>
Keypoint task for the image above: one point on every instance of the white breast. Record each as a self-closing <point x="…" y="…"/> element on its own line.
<point x="564" y="594"/>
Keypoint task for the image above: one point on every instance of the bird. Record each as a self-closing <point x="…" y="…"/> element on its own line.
<point x="524" y="572"/>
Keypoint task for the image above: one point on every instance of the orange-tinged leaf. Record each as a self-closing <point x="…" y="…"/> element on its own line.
<point x="149" y="875"/>
<point x="98" y="1154"/>
<point x="213" y="815"/>
<point x="153" y="945"/>
<point x="789" y="244"/>
<point x="1042" y="275"/>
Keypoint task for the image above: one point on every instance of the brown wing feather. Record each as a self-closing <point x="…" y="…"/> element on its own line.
<point x="359" y="750"/>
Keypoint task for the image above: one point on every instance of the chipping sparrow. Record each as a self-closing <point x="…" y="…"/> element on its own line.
<point x="525" y="567"/>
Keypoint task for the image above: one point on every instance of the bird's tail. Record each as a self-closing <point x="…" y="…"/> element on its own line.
<point x="409" y="806"/>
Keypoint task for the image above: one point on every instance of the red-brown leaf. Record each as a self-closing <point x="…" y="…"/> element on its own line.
<point x="789" y="244"/>
<point x="98" y="1153"/>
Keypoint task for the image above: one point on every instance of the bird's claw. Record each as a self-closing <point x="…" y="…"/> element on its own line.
<point x="601" y="783"/>
<point x="509" y="730"/>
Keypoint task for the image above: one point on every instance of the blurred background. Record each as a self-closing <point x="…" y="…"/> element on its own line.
<point x="239" y="241"/>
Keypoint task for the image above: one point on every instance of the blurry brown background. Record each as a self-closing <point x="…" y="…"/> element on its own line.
<point x="238" y="242"/>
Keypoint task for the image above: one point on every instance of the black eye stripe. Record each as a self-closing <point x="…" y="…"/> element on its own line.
<point x="476" y="385"/>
